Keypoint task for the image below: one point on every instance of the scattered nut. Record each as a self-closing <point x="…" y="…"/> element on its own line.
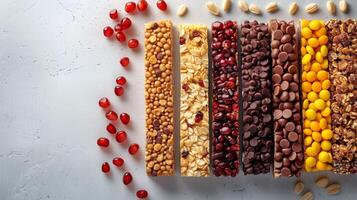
<point x="182" y="10"/>
<point x="343" y="6"/>
<point x="322" y="182"/>
<point x="243" y="6"/>
<point x="299" y="187"/>
<point x="226" y="5"/>
<point x="333" y="189"/>
<point x="311" y="8"/>
<point x="212" y="8"/>
<point x="307" y="196"/>
<point x="331" y="7"/>
<point x="272" y="7"/>
<point x="255" y="9"/>
<point x="293" y="8"/>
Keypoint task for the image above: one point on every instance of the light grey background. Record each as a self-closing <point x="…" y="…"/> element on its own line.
<point x="55" y="65"/>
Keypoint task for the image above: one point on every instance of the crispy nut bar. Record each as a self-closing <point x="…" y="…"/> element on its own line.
<point x="343" y="75"/>
<point x="194" y="129"/>
<point x="159" y="154"/>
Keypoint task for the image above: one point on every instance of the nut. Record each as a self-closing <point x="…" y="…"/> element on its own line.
<point x="311" y="8"/>
<point x="307" y="196"/>
<point x="226" y="5"/>
<point x="182" y="10"/>
<point x="293" y="8"/>
<point x="333" y="189"/>
<point x="299" y="187"/>
<point x="343" y="6"/>
<point x="272" y="7"/>
<point x="255" y="9"/>
<point x="212" y="8"/>
<point x="243" y="5"/>
<point x="331" y="7"/>
<point x="322" y="182"/>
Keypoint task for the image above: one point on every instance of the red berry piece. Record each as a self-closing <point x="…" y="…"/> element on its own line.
<point x="104" y="102"/>
<point x="161" y="4"/>
<point x="120" y="136"/>
<point x="130" y="7"/>
<point x="142" y="5"/>
<point x="108" y="31"/>
<point x="120" y="36"/>
<point x="125" y="23"/>
<point x="111" y="129"/>
<point x="141" y="194"/>
<point x="198" y="117"/>
<point x="111" y="115"/>
<point x="121" y="80"/>
<point x="133" y="43"/>
<point x="124" y="61"/>
<point x="127" y="178"/>
<point x="119" y="90"/>
<point x="103" y="142"/>
<point x="117" y="161"/>
<point x="125" y="118"/>
<point x="113" y="14"/>
<point x="133" y="149"/>
<point x="105" y="167"/>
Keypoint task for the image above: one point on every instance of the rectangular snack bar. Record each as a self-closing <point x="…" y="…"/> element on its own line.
<point x="288" y="151"/>
<point x="194" y="116"/>
<point x="225" y="108"/>
<point x="257" y="98"/>
<point x="159" y="154"/>
<point x="343" y="75"/>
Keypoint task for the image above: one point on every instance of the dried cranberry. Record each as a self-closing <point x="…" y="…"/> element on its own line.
<point x="198" y="117"/>
<point x="185" y="87"/>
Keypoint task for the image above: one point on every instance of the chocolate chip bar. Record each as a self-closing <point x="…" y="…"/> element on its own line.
<point x="159" y="154"/>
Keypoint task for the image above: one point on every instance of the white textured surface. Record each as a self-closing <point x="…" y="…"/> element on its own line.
<point x="54" y="66"/>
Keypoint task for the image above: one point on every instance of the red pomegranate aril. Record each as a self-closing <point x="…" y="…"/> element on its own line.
<point x="124" y="61"/>
<point x="111" y="115"/>
<point x="120" y="36"/>
<point x="108" y="31"/>
<point x="133" y="43"/>
<point x="161" y="4"/>
<point x="113" y="14"/>
<point x="103" y="142"/>
<point x="111" y="129"/>
<point x="142" y="5"/>
<point x="127" y="178"/>
<point x="125" y="118"/>
<point x="133" y="149"/>
<point x="105" y="167"/>
<point x="119" y="90"/>
<point x="121" y="80"/>
<point x="117" y="161"/>
<point x="118" y="28"/>
<point x="120" y="136"/>
<point x="141" y="194"/>
<point x="130" y="7"/>
<point x="104" y="102"/>
<point x="125" y="23"/>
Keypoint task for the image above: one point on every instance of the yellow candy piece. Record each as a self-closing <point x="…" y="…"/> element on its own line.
<point x="303" y="42"/>
<point x="322" y="75"/>
<point x="303" y="76"/>
<point x="310" y="151"/>
<point x="325" y="145"/>
<point x="325" y="64"/>
<point x="310" y="50"/>
<point x="306" y="67"/>
<point x="312" y="106"/>
<point x="310" y="114"/>
<point x="321" y="166"/>
<point x="316" y="86"/>
<point x="328" y="103"/>
<point x="310" y="162"/>
<point x="323" y="39"/>
<point x="316" y="136"/>
<point x="312" y="96"/>
<point x="324" y="95"/>
<point x="320" y="32"/>
<point x="324" y="157"/>
<point x="307" y="131"/>
<point x="310" y="76"/>
<point x="323" y="123"/>
<point x="319" y="57"/>
<point x="303" y="95"/>
<point x="325" y="84"/>
<point x="314" y="25"/>
<point x="307" y="123"/>
<point x="329" y="121"/>
<point x="330" y="157"/>
<point x="306" y="86"/>
<point x="326" y="134"/>
<point x="313" y="42"/>
<point x="308" y="140"/>
<point x="315" y="126"/>
<point x="319" y="104"/>
<point x="303" y="51"/>
<point x="324" y="50"/>
<point x="306" y="32"/>
<point x="306" y="59"/>
<point x="318" y="116"/>
<point x="316" y="145"/>
<point x="316" y="67"/>
<point x="305" y="104"/>
<point x="326" y="112"/>
<point x="304" y="23"/>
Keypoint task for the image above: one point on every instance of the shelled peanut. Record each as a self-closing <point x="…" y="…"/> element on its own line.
<point x="316" y="96"/>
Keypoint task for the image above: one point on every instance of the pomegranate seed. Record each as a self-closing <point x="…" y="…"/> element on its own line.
<point x="111" y="129"/>
<point x="141" y="194"/>
<point x="125" y="118"/>
<point x="142" y="5"/>
<point x="133" y="43"/>
<point x="133" y="149"/>
<point x="130" y="7"/>
<point x="127" y="178"/>
<point x="198" y="117"/>
<point x="113" y="14"/>
<point x="161" y="4"/>
<point x="121" y="80"/>
<point x="120" y="136"/>
<point x="111" y="115"/>
<point x="103" y="142"/>
<point x="118" y="28"/>
<point x="125" y="23"/>
<point x="104" y="102"/>
<point x="119" y="90"/>
<point x="118" y="161"/>
<point x="124" y="61"/>
<point x="108" y="31"/>
<point x="120" y="36"/>
<point x="105" y="167"/>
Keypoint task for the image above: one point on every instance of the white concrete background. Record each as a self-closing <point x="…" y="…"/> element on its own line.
<point x="55" y="65"/>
